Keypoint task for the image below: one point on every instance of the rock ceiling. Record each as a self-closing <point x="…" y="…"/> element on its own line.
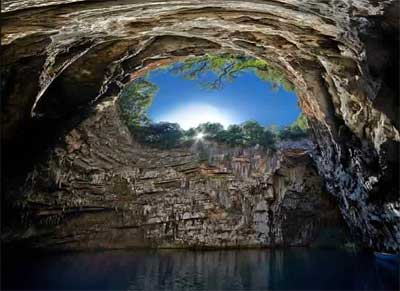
<point x="61" y="56"/>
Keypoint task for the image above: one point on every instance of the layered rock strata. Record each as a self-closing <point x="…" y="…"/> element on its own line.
<point x="102" y="190"/>
<point x="342" y="56"/>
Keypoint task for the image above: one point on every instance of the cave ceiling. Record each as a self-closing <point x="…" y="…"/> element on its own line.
<point x="61" y="57"/>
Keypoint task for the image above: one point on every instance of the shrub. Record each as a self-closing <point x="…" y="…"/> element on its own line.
<point x="163" y="135"/>
<point x="134" y="101"/>
<point x="297" y="130"/>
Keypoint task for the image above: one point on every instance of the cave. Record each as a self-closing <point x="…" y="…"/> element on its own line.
<point x="75" y="179"/>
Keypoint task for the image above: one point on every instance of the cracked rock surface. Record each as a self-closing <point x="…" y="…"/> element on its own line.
<point x="60" y="58"/>
<point x="102" y="190"/>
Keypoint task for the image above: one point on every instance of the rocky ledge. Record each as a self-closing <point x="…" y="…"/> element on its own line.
<point x="61" y="57"/>
<point x="102" y="190"/>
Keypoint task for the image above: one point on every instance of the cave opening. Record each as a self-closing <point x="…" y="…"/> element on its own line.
<point x="80" y="172"/>
<point x="107" y="166"/>
<point x="229" y="99"/>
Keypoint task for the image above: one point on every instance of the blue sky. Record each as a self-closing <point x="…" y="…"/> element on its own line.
<point x="246" y="98"/>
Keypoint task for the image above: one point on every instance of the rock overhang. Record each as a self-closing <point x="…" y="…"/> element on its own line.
<point x="61" y="56"/>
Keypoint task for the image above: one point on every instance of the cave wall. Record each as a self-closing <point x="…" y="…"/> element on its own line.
<point x="100" y="189"/>
<point x="61" y="57"/>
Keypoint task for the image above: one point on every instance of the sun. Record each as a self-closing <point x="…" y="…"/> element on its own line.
<point x="199" y="136"/>
<point x="191" y="115"/>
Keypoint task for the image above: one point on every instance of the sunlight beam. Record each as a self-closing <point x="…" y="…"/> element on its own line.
<point x="191" y="115"/>
<point x="199" y="136"/>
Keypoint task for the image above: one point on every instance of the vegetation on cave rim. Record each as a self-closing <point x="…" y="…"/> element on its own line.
<point x="138" y="96"/>
<point x="228" y="67"/>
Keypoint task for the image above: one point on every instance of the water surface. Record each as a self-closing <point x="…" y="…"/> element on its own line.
<point x="199" y="270"/>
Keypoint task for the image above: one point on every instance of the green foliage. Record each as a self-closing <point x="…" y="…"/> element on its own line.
<point x="297" y="130"/>
<point x="190" y="134"/>
<point x="301" y="122"/>
<point x="233" y="136"/>
<point x="226" y="68"/>
<point x="162" y="135"/>
<point x="252" y="133"/>
<point x="268" y="139"/>
<point x="169" y="135"/>
<point x="138" y="96"/>
<point x="135" y="99"/>
<point x="210" y="130"/>
<point x="249" y="133"/>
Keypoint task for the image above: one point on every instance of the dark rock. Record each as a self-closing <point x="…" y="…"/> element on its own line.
<point x="61" y="57"/>
<point x="102" y="190"/>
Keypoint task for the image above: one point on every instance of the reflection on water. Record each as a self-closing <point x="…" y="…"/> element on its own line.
<point x="200" y="270"/>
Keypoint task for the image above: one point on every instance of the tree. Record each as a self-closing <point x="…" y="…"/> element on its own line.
<point x="275" y="76"/>
<point x="189" y="135"/>
<point x="233" y="135"/>
<point x="135" y="99"/>
<point x="252" y="132"/>
<point x="268" y="139"/>
<point x="249" y="133"/>
<point x="227" y="67"/>
<point x="138" y="95"/>
<point x="297" y="130"/>
<point x="163" y="135"/>
<point x="301" y="122"/>
<point x="210" y="130"/>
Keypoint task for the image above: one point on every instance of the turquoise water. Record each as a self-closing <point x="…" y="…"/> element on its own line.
<point x="199" y="270"/>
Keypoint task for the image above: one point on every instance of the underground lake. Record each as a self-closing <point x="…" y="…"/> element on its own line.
<point x="256" y="269"/>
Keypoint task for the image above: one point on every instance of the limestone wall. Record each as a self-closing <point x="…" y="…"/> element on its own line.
<point x="102" y="190"/>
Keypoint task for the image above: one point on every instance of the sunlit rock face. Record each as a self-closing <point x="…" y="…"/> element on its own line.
<point x="61" y="57"/>
<point x="102" y="190"/>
